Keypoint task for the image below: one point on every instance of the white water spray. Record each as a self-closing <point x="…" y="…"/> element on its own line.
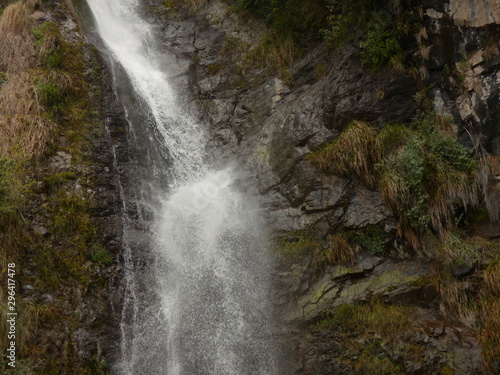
<point x="211" y="269"/>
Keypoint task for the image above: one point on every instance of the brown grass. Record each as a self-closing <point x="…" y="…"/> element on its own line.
<point x="22" y="121"/>
<point x="457" y="301"/>
<point x="451" y="186"/>
<point x="425" y="51"/>
<point x="339" y="250"/>
<point x="17" y="51"/>
<point x="353" y="152"/>
<point x="275" y="53"/>
<point x="489" y="334"/>
<point x="491" y="277"/>
<point x="470" y="250"/>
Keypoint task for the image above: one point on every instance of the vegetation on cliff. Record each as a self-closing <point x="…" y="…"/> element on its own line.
<point x="47" y="121"/>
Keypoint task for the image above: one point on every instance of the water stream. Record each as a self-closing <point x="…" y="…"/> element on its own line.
<point x="199" y="303"/>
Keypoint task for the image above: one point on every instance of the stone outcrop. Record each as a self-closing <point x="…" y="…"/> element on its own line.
<point x="475" y="13"/>
<point x="270" y="123"/>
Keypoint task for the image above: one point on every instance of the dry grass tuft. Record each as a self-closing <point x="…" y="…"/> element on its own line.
<point x="339" y="250"/>
<point x="17" y="51"/>
<point x="353" y="152"/>
<point x="425" y="52"/>
<point x="275" y="53"/>
<point x="459" y="250"/>
<point x="457" y="297"/>
<point x="451" y="186"/>
<point x="22" y="120"/>
<point x="491" y="278"/>
<point x="489" y="334"/>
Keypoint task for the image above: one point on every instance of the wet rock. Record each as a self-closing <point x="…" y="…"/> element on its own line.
<point x="366" y="208"/>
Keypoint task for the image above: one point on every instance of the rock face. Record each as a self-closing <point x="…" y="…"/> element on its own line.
<point x="475" y="13"/>
<point x="269" y="124"/>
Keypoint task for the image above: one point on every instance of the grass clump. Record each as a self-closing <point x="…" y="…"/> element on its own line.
<point x="54" y="182"/>
<point x="386" y="320"/>
<point x="339" y="250"/>
<point x="489" y="331"/>
<point x="429" y="179"/>
<point x="425" y="176"/>
<point x="276" y="53"/>
<point x="298" y="244"/>
<point x="13" y="185"/>
<point x="351" y="153"/>
<point x="376" y="325"/>
<point x="458" y="250"/>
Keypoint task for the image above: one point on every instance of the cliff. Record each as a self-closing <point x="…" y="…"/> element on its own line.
<point x="369" y="133"/>
<point x="376" y="160"/>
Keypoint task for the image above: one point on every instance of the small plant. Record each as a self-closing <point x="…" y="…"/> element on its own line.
<point x="275" y="52"/>
<point x="352" y="152"/>
<point x="381" y="42"/>
<point x="101" y="256"/>
<point x="371" y="239"/>
<point x="51" y="97"/>
<point x="4" y="77"/>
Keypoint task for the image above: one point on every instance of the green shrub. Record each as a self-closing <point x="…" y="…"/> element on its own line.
<point x="293" y="18"/>
<point x="51" y="97"/>
<point x="13" y="188"/>
<point x="371" y="239"/>
<point x="424" y="174"/>
<point x="381" y="42"/>
<point x="342" y="16"/>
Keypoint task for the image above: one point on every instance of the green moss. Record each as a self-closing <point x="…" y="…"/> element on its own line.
<point x="298" y="244"/>
<point x="383" y="319"/>
<point x="101" y="256"/>
<point x="371" y="239"/>
<point x="213" y="68"/>
<point x="13" y="185"/>
<point x="447" y="370"/>
<point x="55" y="181"/>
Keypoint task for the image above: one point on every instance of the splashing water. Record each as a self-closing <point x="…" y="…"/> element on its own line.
<point x="211" y="266"/>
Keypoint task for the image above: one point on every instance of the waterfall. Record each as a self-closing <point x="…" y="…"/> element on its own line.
<point x="201" y="305"/>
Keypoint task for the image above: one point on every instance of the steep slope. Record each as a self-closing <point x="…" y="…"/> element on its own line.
<point x="376" y="163"/>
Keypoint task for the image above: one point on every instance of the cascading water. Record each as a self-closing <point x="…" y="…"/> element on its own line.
<point x="205" y="309"/>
